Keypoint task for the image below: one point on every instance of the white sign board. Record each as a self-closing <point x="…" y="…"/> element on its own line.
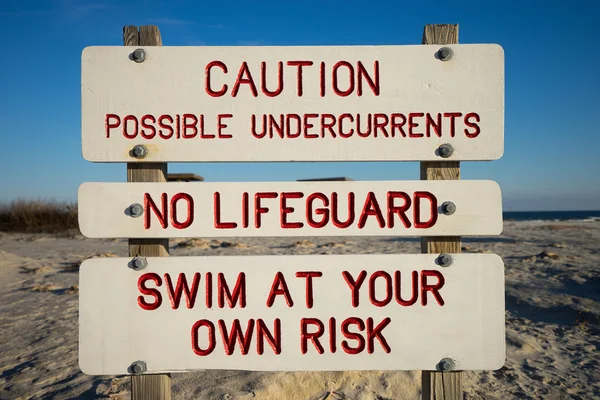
<point x="292" y="313"/>
<point x="227" y="209"/>
<point x="341" y="103"/>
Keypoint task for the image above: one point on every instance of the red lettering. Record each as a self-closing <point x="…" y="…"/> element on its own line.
<point x="327" y="125"/>
<point x="211" y="337"/>
<point x="373" y="333"/>
<point x="289" y="118"/>
<point x="285" y="210"/>
<point x="432" y="209"/>
<point x="149" y="276"/>
<point x="244" y="77"/>
<point x="341" y="131"/>
<point x="182" y="286"/>
<point x="263" y="75"/>
<point x="332" y="335"/>
<point x="412" y="124"/>
<point x="258" y="209"/>
<point x="278" y="127"/>
<point x="108" y="125"/>
<point x="263" y="332"/>
<point x="363" y="74"/>
<point x="354" y="285"/>
<point x="211" y="92"/>
<point x="264" y="127"/>
<point x="388" y="289"/>
<point x="452" y="116"/>
<point x="473" y="125"/>
<point x="245" y="209"/>
<point x="368" y="131"/>
<point x="229" y="339"/>
<point x="322" y="79"/>
<point x="313" y="336"/>
<point x="239" y="291"/>
<point x="319" y="211"/>
<point x="336" y="89"/>
<point x="353" y="335"/>
<point x="371" y="207"/>
<point x="398" y="125"/>
<point x="335" y="214"/>
<point x="209" y="296"/>
<point x="278" y="288"/>
<point x="150" y="205"/>
<point x="221" y="125"/>
<point x="415" y="289"/>
<point x="189" y="125"/>
<point x="190" y="211"/>
<point x="145" y="125"/>
<point x="434" y="289"/>
<point x="217" y="213"/>
<point x="125" y="126"/>
<point x="309" y="286"/>
<point x="308" y="125"/>
<point x="167" y="127"/>
<point x="400" y="210"/>
<point x="437" y="125"/>
<point x="299" y="64"/>
<point x="380" y="125"/>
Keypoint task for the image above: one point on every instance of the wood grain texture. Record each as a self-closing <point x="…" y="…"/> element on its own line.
<point x="147" y="172"/>
<point x="441" y="385"/>
<point x="147" y="387"/>
<point x="131" y="36"/>
<point x="148" y="247"/>
<point x="150" y="36"/>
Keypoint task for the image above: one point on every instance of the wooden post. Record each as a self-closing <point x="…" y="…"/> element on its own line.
<point x="441" y="385"/>
<point x="147" y="387"/>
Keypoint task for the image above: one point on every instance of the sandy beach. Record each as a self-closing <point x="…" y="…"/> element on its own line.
<point x="552" y="319"/>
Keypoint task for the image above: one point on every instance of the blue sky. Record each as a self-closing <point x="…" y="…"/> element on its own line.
<point x="552" y="134"/>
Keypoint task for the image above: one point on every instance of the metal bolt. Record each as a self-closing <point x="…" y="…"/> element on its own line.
<point x="447" y="364"/>
<point x="139" y="151"/>
<point x="445" y="150"/>
<point x="138" y="367"/>
<point x="444" y="260"/>
<point x="444" y="54"/>
<point x="139" y="263"/>
<point x="136" y="210"/>
<point x="138" y="55"/>
<point x="448" y="208"/>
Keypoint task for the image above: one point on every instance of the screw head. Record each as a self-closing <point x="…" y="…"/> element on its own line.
<point x="139" y="263"/>
<point x="138" y="55"/>
<point x="444" y="260"/>
<point x="445" y="150"/>
<point x="448" y="208"/>
<point x="139" y="151"/>
<point x="136" y="210"/>
<point x="446" y="364"/>
<point x="444" y="54"/>
<point x="138" y="367"/>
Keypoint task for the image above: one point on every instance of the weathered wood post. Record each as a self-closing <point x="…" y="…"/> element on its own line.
<point x="441" y="385"/>
<point x="147" y="387"/>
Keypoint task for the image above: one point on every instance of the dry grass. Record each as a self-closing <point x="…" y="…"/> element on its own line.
<point x="38" y="216"/>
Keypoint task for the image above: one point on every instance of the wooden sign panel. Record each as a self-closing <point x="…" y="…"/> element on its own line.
<point x="292" y="313"/>
<point x="227" y="209"/>
<point x="342" y="103"/>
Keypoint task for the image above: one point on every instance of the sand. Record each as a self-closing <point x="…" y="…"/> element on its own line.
<point x="552" y="319"/>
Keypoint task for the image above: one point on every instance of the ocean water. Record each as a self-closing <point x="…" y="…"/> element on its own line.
<point x="552" y="216"/>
